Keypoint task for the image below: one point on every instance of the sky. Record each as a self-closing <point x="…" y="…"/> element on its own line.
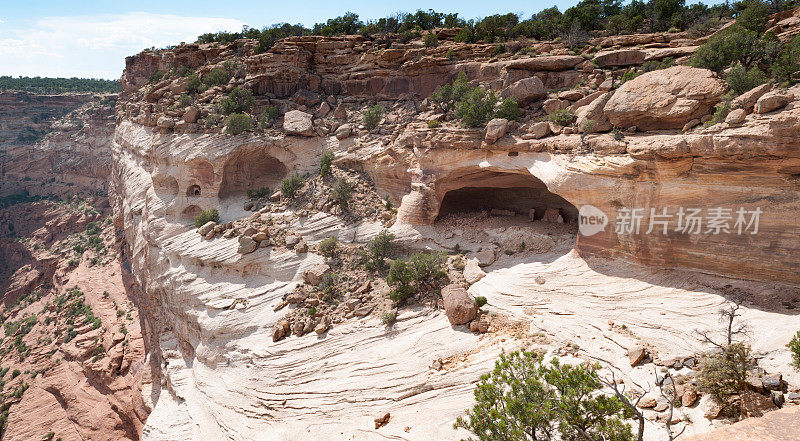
<point x="90" y="39"/>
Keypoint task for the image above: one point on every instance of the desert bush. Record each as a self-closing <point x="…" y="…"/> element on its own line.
<point x="205" y="217"/>
<point x="240" y="100"/>
<point x="508" y="109"/>
<point x="328" y="247"/>
<point x="741" y="80"/>
<point x="499" y="49"/>
<point x="372" y="116"/>
<point x="432" y="124"/>
<point x="258" y="193"/>
<point x="754" y="16"/>
<point x="788" y="61"/>
<point x="450" y="54"/>
<point x="237" y="123"/>
<point x="734" y="44"/>
<point x="480" y="301"/>
<point x="342" y="190"/>
<point x="184" y="100"/>
<point x="195" y="86"/>
<point x="475" y="107"/>
<point x="268" y="117"/>
<point x="563" y="117"/>
<point x="389" y="318"/>
<point x="525" y="399"/>
<point x="430" y="40"/>
<point x="217" y="77"/>
<point x="423" y="271"/>
<point x="379" y="248"/>
<point x="325" y="164"/>
<point x="446" y="96"/>
<point x="327" y="285"/>
<point x="794" y="349"/>
<point x="156" y="76"/>
<point x="291" y="185"/>
<point x="400" y="277"/>
<point x="213" y="120"/>
<point x="720" y="113"/>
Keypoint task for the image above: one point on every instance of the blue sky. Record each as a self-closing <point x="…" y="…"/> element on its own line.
<point x="92" y="38"/>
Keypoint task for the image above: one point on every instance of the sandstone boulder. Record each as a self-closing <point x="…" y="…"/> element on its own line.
<point x="473" y="272"/>
<point x="664" y="99"/>
<point x="636" y="354"/>
<point x="165" y="122"/>
<point x="323" y="110"/>
<point x="247" y="245"/>
<point x="747" y="100"/>
<point x="459" y="305"/>
<point x="296" y="122"/>
<point x="554" y="105"/>
<point x="206" y="228"/>
<point x="191" y="114"/>
<point x="753" y="404"/>
<point x="619" y="58"/>
<point x="526" y="90"/>
<point x="540" y="129"/>
<point x="735" y="117"/>
<point x="343" y="131"/>
<point x="591" y="117"/>
<point x="777" y="99"/>
<point x="314" y="274"/>
<point x="485" y="256"/>
<point x="496" y="129"/>
<point x="340" y="112"/>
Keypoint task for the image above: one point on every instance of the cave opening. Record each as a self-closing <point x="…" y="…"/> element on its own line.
<point x="194" y="190"/>
<point x="508" y="194"/>
<point x="191" y="212"/>
<point x="250" y="170"/>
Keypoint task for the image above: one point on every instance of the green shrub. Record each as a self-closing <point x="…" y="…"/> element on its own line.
<point x="217" y="77"/>
<point x="372" y="116"/>
<point x="754" y="17"/>
<point x="508" y="109"/>
<point x="327" y="285"/>
<point x="325" y="164"/>
<point x="240" y="100"/>
<point x="734" y="44"/>
<point x="497" y="50"/>
<point x="525" y="399"/>
<point x="291" y="185"/>
<point x="156" y="76"/>
<point x="237" y="123"/>
<point x="720" y="113"/>
<point x="258" y="193"/>
<point x="422" y="272"/>
<point x="15" y="373"/>
<point x="194" y="85"/>
<point x="480" y="301"/>
<point x="342" y="190"/>
<point x="205" y="217"/>
<point x="389" y="318"/>
<point x="741" y="80"/>
<point x="184" y="100"/>
<point x="723" y="374"/>
<point x="379" y="248"/>
<point x="476" y="107"/>
<point x="794" y="349"/>
<point x="328" y="247"/>
<point x="432" y="124"/>
<point x="400" y="277"/>
<point x="430" y="40"/>
<point x="563" y="117"/>
<point x="268" y="117"/>
<point x="450" y="54"/>
<point x="446" y="96"/>
<point x="788" y="61"/>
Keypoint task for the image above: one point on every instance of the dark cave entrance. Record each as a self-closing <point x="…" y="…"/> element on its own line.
<point x="250" y="170"/>
<point x="524" y="195"/>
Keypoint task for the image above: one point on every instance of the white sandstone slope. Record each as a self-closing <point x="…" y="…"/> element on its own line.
<point x="210" y="313"/>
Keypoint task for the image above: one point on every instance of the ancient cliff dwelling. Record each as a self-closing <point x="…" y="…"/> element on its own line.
<point x="574" y="223"/>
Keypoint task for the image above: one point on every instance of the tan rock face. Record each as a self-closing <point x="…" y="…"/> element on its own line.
<point x="664" y="99"/>
<point x="296" y="122"/>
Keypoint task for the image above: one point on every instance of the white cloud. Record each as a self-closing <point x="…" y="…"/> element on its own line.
<point x="96" y="45"/>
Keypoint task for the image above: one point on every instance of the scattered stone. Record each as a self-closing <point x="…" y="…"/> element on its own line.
<point x="636" y="354"/>
<point x="496" y="129"/>
<point x="260" y="236"/>
<point x="323" y="110"/>
<point x="437" y="364"/>
<point x="314" y="274"/>
<point x="459" y="305"/>
<point x="735" y="117"/>
<point x="301" y="247"/>
<point x="690" y="125"/>
<point x="793" y="396"/>
<point x="278" y="333"/>
<point x="540" y="129"/>
<point x="771" y="101"/>
<point x="364" y="288"/>
<point x="619" y="58"/>
<point x="364" y="310"/>
<point x="383" y="420"/>
<point x="275" y="197"/>
<point x="246" y="245"/>
<point x="661" y="406"/>
<point x="747" y="100"/>
<point x="297" y="328"/>
<point x="321" y="327"/>
<point x="647" y="403"/>
<point x="296" y="122"/>
<point x="296" y="297"/>
<point x="208" y="226"/>
<point x="353" y="303"/>
<point x="526" y="90"/>
<point x="165" y="122"/>
<point x="778" y="398"/>
<point x="553" y="105"/>
<point x="472" y="271"/>
<point x="340" y="112"/>
<point x="191" y="114"/>
<point x="485" y="256"/>
<point x="501" y="212"/>
<point x="773" y="382"/>
<point x="712" y="410"/>
<point x="343" y="131"/>
<point x="292" y="240"/>
<point x="690" y="396"/>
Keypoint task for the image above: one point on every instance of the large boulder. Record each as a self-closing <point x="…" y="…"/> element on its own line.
<point x="664" y="99"/>
<point x="296" y="122"/>
<point x="459" y="305"/>
<point x="777" y="99"/>
<point x="526" y="90"/>
<point x="315" y="274"/>
<point x="591" y="117"/>
<point x="623" y="57"/>
<point x="496" y="129"/>
<point x="748" y="99"/>
<point x="247" y="245"/>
